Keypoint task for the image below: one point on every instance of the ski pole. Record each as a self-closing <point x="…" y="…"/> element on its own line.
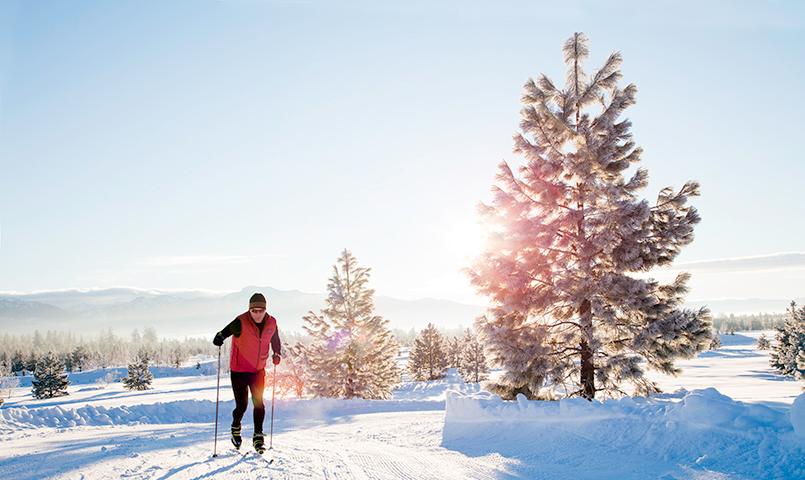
<point x="273" y="389"/>
<point x="217" y="388"/>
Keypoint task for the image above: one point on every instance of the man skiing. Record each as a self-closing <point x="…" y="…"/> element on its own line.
<point x="251" y="332"/>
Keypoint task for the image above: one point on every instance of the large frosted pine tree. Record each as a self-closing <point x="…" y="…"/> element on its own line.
<point x="353" y="353"/>
<point x="567" y="230"/>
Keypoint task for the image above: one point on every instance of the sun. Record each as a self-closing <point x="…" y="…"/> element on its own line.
<point x="464" y="239"/>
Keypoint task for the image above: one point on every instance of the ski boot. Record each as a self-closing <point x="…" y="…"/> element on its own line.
<point x="259" y="443"/>
<point x="236" y="439"/>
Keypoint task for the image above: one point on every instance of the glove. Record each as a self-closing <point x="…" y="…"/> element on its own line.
<point x="275" y="359"/>
<point x="218" y="340"/>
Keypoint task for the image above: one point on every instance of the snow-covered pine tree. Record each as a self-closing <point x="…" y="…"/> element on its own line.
<point x="17" y="364"/>
<point x="415" y="366"/>
<point x="139" y="377"/>
<point x="567" y="229"/>
<point x="763" y="342"/>
<point x="790" y="343"/>
<point x="715" y="343"/>
<point x="31" y="362"/>
<point x="455" y="348"/>
<point x="801" y="362"/>
<point x="50" y="378"/>
<point x="427" y="360"/>
<point x="177" y="355"/>
<point x="8" y="381"/>
<point x="353" y="353"/>
<point x="80" y="356"/>
<point x="473" y="361"/>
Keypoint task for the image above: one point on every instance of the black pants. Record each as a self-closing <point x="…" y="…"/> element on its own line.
<point x="242" y="382"/>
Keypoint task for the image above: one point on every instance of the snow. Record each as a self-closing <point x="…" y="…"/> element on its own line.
<point x="797" y="415"/>
<point x="745" y="427"/>
<point x="737" y="370"/>
<point x="703" y="431"/>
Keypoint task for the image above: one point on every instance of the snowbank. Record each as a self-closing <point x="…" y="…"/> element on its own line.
<point x="299" y="412"/>
<point x="798" y="415"/>
<point x="702" y="430"/>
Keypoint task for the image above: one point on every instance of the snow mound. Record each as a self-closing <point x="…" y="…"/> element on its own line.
<point x="701" y="431"/>
<point x="798" y="415"/>
<point x="305" y="411"/>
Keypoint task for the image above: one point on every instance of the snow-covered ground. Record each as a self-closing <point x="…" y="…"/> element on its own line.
<point x="737" y="369"/>
<point x="107" y="432"/>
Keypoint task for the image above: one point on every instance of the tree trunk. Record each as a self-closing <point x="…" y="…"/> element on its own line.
<point x="587" y="378"/>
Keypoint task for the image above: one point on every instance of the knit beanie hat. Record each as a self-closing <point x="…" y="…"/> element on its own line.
<point x="257" y="301"/>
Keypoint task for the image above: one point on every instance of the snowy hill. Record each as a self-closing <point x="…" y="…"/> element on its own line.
<point x="444" y="429"/>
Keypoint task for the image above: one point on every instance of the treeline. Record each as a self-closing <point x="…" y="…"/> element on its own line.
<point x="759" y="321"/>
<point x="433" y="353"/>
<point x="20" y="354"/>
<point x="407" y="338"/>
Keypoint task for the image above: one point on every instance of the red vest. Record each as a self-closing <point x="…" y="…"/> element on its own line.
<point x="250" y="349"/>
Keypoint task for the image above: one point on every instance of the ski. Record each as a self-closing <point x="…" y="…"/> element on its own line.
<point x="258" y="454"/>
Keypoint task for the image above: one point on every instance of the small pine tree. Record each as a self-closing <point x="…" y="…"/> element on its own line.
<point x="353" y="353"/>
<point x="790" y="343"/>
<point x="177" y="355"/>
<point x="473" y="361"/>
<point x="31" y="362"/>
<point x="428" y="359"/>
<point x="67" y="360"/>
<point x="715" y="343"/>
<point x="80" y="356"/>
<point x="139" y="377"/>
<point x="50" y="378"/>
<point x="17" y="364"/>
<point x="763" y="342"/>
<point x="8" y="381"/>
<point x="801" y="362"/>
<point x="455" y="349"/>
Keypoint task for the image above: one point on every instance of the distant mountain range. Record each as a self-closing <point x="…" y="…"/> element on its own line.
<point x="198" y="313"/>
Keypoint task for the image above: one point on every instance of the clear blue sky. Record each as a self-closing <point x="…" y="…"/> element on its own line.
<point x="218" y="144"/>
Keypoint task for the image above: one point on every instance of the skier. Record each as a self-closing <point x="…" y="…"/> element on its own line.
<point x="251" y="331"/>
